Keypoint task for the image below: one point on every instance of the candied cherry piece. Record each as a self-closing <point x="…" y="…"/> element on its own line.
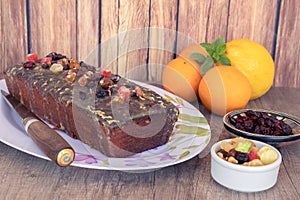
<point x="46" y="60"/>
<point x="106" y="72"/>
<point x="105" y="82"/>
<point x="253" y="155"/>
<point x="32" y="57"/>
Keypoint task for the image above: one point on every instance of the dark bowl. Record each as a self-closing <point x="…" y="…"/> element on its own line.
<point x="293" y="121"/>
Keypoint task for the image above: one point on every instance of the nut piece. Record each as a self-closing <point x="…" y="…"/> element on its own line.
<point x="220" y="155"/>
<point x="255" y="162"/>
<point x="232" y="160"/>
<point x="56" y="68"/>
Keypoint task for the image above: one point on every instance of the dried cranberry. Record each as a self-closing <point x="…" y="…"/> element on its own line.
<point x="260" y="123"/>
<point x="232" y="120"/>
<point x="248" y="124"/>
<point x="250" y="113"/>
<point x="286" y="129"/>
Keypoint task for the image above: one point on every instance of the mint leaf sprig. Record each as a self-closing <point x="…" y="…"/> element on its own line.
<point x="216" y="54"/>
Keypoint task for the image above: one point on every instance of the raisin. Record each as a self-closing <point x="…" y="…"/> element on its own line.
<point x="28" y="64"/>
<point x="100" y="93"/>
<point x="115" y="78"/>
<point x="242" y="157"/>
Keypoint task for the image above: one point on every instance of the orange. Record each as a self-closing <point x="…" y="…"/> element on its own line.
<point x="194" y="48"/>
<point x="255" y="62"/>
<point x="182" y="78"/>
<point x="224" y="89"/>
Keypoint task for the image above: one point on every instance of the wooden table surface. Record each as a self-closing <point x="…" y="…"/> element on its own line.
<point x="23" y="176"/>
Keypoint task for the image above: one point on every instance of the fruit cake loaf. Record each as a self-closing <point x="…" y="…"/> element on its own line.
<point x="109" y="113"/>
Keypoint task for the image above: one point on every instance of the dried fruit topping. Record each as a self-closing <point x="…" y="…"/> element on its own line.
<point x="74" y="64"/>
<point x="56" y="56"/>
<point x="100" y="93"/>
<point x="64" y="62"/>
<point x="32" y="57"/>
<point x="70" y="77"/>
<point x="139" y="91"/>
<point x="82" y="81"/>
<point x="242" y="157"/>
<point x="253" y="155"/>
<point x="83" y="64"/>
<point x="124" y="92"/>
<point x="56" y="68"/>
<point x="46" y="60"/>
<point x="29" y="64"/>
<point x="105" y="82"/>
<point x="45" y="66"/>
<point x="260" y="123"/>
<point x="244" y="146"/>
<point x="115" y="78"/>
<point x="106" y="72"/>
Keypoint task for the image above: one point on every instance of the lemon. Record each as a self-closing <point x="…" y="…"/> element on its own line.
<point x="255" y="62"/>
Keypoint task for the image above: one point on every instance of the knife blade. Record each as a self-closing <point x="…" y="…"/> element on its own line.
<point x="47" y="139"/>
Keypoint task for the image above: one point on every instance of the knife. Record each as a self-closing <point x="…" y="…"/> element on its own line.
<point x="47" y="139"/>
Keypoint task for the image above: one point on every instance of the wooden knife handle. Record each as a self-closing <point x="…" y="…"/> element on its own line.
<point x="49" y="141"/>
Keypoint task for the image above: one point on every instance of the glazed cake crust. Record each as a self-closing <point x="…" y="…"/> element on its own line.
<point x="109" y="113"/>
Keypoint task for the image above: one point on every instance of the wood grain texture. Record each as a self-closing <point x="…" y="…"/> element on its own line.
<point x="88" y="16"/>
<point x="253" y="19"/>
<point x="23" y="176"/>
<point x="201" y="21"/>
<point x="53" y="27"/>
<point x="162" y="37"/>
<point x="109" y="32"/>
<point x="287" y="60"/>
<point x="72" y="27"/>
<point x="13" y="32"/>
<point x="133" y="39"/>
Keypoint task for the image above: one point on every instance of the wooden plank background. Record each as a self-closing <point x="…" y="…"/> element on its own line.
<point x="137" y="38"/>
